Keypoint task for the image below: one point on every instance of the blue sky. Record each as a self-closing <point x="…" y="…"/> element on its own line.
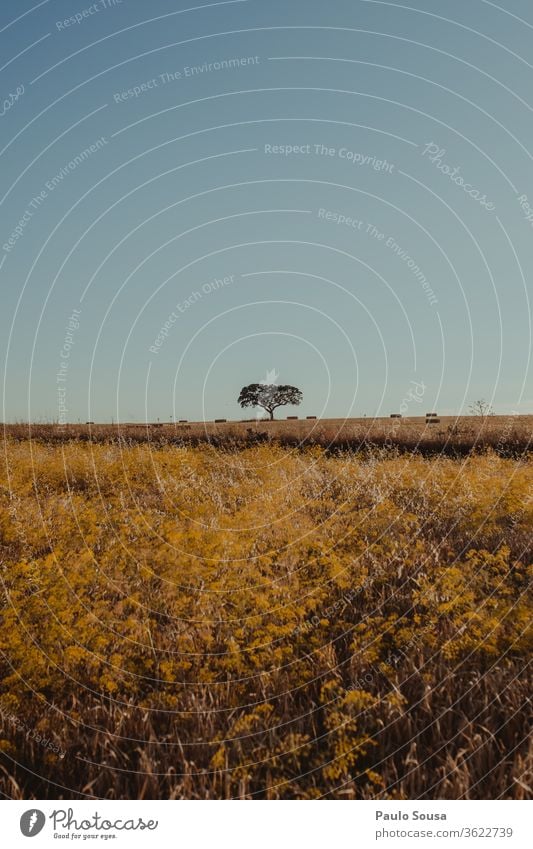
<point x="194" y="196"/>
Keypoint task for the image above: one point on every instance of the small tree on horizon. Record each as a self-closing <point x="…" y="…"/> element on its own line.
<point x="269" y="396"/>
<point x="481" y="408"/>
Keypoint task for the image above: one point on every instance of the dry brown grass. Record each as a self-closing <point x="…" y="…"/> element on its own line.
<point x="507" y="435"/>
<point x="192" y="622"/>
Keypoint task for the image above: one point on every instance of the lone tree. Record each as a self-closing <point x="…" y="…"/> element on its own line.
<point x="269" y="396"/>
<point x="481" y="408"/>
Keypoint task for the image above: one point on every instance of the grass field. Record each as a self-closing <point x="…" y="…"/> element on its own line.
<point x="192" y="621"/>
<point x="507" y="435"/>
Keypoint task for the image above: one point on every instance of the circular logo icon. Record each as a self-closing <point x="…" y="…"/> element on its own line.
<point x="32" y="822"/>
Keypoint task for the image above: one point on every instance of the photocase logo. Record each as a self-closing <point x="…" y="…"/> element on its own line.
<point x="271" y="377"/>
<point x="32" y="822"/>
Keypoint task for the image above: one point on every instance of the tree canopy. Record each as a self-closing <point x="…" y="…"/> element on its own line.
<point x="269" y="396"/>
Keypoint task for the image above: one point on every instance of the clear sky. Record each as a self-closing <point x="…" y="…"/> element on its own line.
<point x="195" y="196"/>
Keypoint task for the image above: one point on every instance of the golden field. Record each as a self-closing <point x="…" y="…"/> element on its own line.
<point x="193" y="621"/>
<point x="456" y="435"/>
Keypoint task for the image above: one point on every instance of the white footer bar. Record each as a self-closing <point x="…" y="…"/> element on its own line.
<point x="263" y="825"/>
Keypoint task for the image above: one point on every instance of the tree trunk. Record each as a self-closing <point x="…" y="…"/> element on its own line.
<point x="271" y="415"/>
